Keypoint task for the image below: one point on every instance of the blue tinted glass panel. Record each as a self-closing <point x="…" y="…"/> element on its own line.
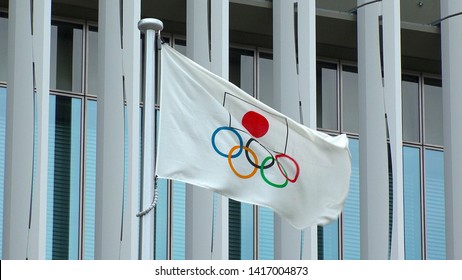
<point x="412" y="204"/>
<point x="434" y="205"/>
<point x="179" y="221"/>
<point x="328" y="241"/>
<point x="2" y="158"/>
<point x="266" y="233"/>
<point x="161" y="221"/>
<point x="63" y="178"/>
<point x="351" y="222"/>
<point x="90" y="181"/>
<point x="246" y="231"/>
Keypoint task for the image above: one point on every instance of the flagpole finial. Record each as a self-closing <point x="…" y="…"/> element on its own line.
<point x="150" y="24"/>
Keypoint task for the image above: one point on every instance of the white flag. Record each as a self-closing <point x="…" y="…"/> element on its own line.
<point x="214" y="135"/>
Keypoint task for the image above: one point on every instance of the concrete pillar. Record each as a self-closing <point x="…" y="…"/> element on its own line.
<point x="110" y="134"/>
<point x="199" y="201"/>
<point x="391" y="22"/>
<point x="131" y="62"/>
<point x="451" y="44"/>
<point x="25" y="194"/>
<point x="220" y="66"/>
<point x="373" y="157"/>
<point x="295" y="82"/>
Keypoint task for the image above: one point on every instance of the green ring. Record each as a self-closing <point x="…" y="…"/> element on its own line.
<point x="262" y="172"/>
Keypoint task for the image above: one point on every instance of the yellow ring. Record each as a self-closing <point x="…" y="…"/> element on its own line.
<point x="230" y="162"/>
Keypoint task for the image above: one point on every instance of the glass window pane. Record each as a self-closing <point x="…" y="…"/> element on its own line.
<point x="433" y="108"/>
<point x="326" y="96"/>
<point x="350" y="106"/>
<point x="410" y="108"/>
<point x="3" y="47"/>
<point x="161" y="221"/>
<point x="179" y="221"/>
<point x="66" y="56"/>
<point x="240" y="231"/>
<point x="63" y="178"/>
<point x="241" y="69"/>
<point x="328" y="241"/>
<point x="434" y="205"/>
<point x="2" y="159"/>
<point x="90" y="181"/>
<point x="92" y="60"/>
<point x="180" y="45"/>
<point x="412" y="204"/>
<point x="265" y="81"/>
<point x="265" y="233"/>
<point x="351" y="219"/>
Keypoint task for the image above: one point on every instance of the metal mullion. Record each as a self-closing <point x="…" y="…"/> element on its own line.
<point x="66" y="93"/>
<point x="83" y="137"/>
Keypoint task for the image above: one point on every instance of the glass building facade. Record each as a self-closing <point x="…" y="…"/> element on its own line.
<point x="72" y="146"/>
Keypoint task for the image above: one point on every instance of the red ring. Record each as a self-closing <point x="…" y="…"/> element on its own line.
<point x="297" y="168"/>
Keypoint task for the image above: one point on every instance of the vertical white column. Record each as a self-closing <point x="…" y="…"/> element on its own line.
<point x="41" y="42"/>
<point x="110" y="134"/>
<point x="297" y="100"/>
<point x="220" y="66"/>
<point x="199" y="201"/>
<point x="307" y="85"/>
<point x="392" y="90"/>
<point x="451" y="45"/>
<point x="131" y="72"/>
<point x="373" y="158"/>
<point x="20" y="242"/>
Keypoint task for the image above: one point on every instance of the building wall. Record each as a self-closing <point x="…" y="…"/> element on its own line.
<point x="72" y="127"/>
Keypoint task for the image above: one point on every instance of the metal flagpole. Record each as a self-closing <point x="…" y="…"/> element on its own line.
<point x="151" y="28"/>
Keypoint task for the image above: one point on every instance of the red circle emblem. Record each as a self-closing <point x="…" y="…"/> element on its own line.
<point x="256" y="124"/>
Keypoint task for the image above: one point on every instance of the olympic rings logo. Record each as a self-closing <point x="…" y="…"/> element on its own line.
<point x="252" y="158"/>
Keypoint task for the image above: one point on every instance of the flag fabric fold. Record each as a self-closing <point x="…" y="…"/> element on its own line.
<point x="214" y="135"/>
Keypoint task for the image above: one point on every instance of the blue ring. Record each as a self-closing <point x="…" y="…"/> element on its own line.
<point x="241" y="143"/>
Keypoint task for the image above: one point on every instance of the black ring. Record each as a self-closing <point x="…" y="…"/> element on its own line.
<point x="253" y="163"/>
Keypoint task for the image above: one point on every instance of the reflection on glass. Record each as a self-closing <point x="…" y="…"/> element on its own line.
<point x="161" y="221"/>
<point x="240" y="231"/>
<point x="180" y="46"/>
<point x="265" y="81"/>
<point x="433" y="108"/>
<point x="326" y="96"/>
<point x="179" y="221"/>
<point x="410" y="108"/>
<point x="92" y="60"/>
<point x="2" y="158"/>
<point x="350" y="106"/>
<point x="90" y="181"/>
<point x="66" y="56"/>
<point x="328" y="241"/>
<point x="265" y="234"/>
<point x="434" y="205"/>
<point x="63" y="178"/>
<point x="3" y="47"/>
<point x="351" y="219"/>
<point x="412" y="205"/>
